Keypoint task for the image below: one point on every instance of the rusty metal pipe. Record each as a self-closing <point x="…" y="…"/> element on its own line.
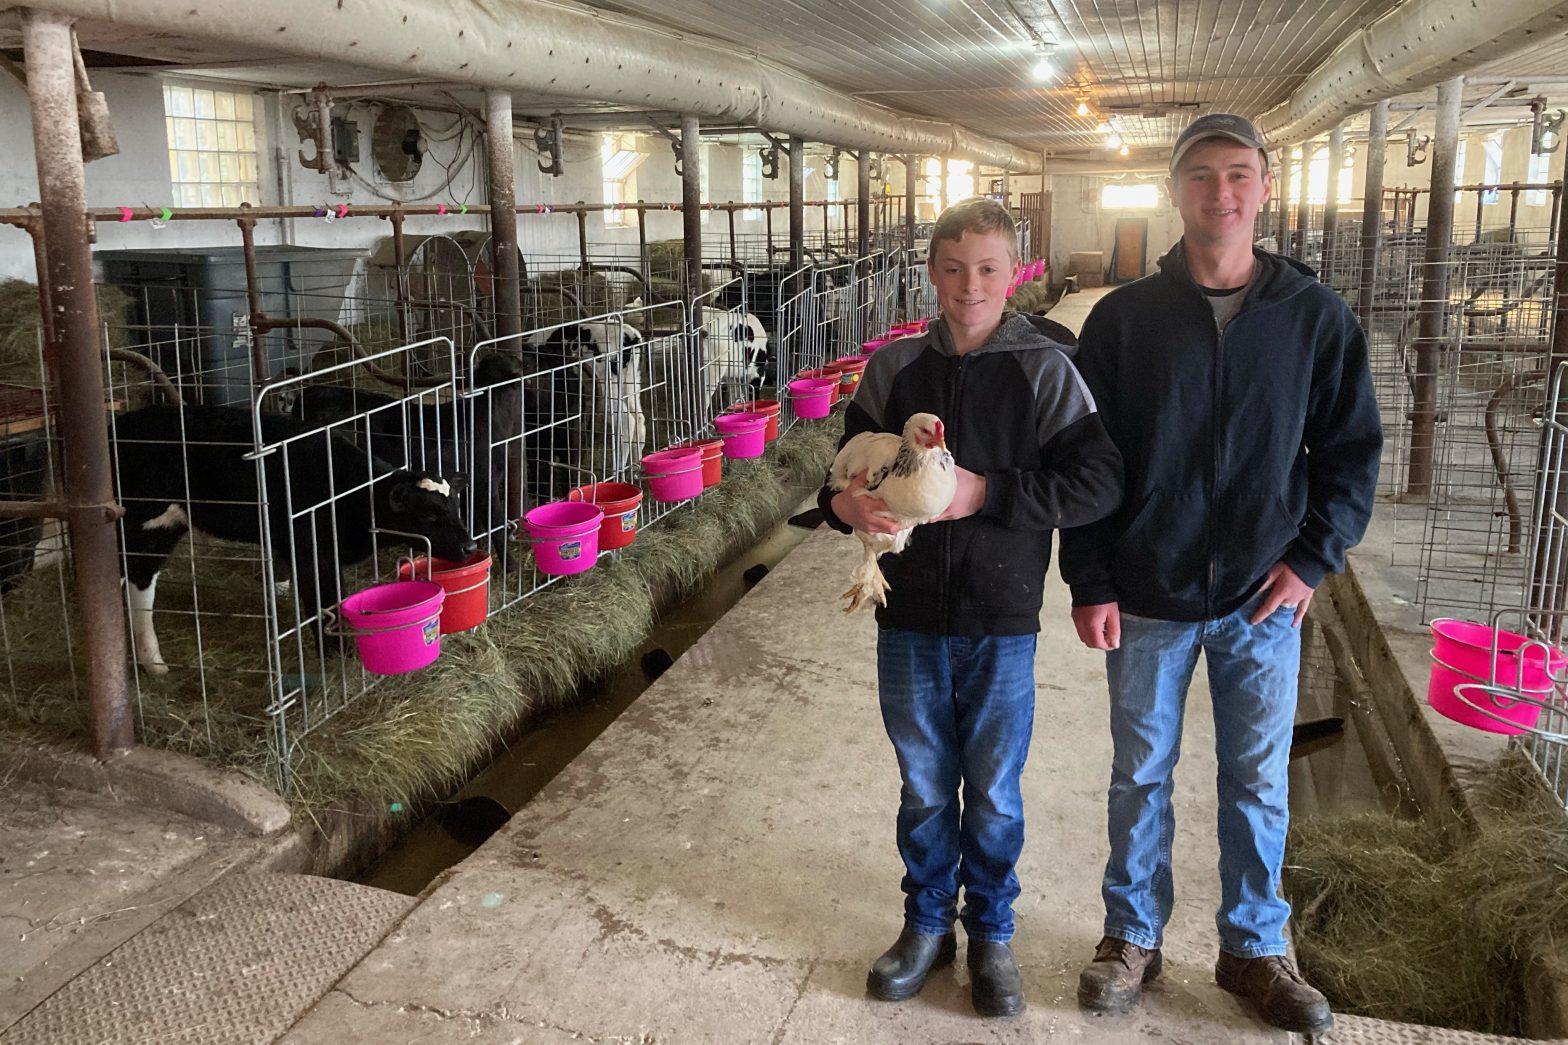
<point x="51" y="86"/>
<point x="691" y="203"/>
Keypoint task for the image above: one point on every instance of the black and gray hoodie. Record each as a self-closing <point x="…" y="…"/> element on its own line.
<point x="1016" y="412"/>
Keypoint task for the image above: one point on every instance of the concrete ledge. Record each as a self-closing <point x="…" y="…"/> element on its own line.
<point x="162" y="779"/>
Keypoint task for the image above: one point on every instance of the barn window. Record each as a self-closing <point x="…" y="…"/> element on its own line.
<point x="705" y="158"/>
<point x="212" y="147"/>
<point x="621" y="160"/>
<point x="1540" y="173"/>
<point x="1493" y="174"/>
<point x="1145" y="196"/>
<point x="751" y="183"/>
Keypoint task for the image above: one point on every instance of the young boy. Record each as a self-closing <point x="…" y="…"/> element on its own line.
<point x="956" y="641"/>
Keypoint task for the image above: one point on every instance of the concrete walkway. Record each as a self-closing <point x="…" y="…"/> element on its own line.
<point x="719" y="866"/>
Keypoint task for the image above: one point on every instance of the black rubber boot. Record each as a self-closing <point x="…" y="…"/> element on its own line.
<point x="995" y="985"/>
<point x="901" y="972"/>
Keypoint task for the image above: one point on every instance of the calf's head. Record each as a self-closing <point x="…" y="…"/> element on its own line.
<point x="418" y="502"/>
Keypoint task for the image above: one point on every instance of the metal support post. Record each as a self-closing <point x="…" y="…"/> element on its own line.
<point x="797" y="203"/>
<point x="691" y="203"/>
<point x="503" y="215"/>
<point x="1372" y="210"/>
<point x="1434" y="288"/>
<point x="1336" y="162"/>
<point x="51" y="87"/>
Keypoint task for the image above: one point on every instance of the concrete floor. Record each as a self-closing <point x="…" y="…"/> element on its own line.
<point x="719" y="866"/>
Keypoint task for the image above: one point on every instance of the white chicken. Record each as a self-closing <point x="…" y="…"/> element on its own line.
<point x="913" y="473"/>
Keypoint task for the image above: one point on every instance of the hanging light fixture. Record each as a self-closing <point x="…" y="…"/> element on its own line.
<point x="1102" y="128"/>
<point x="1114" y="141"/>
<point x="1043" y="67"/>
<point x="1083" y="107"/>
<point x="1123" y="151"/>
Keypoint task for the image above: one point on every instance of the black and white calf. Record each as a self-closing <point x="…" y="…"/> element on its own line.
<point x="613" y="362"/>
<point x="183" y="467"/>
<point x="734" y="353"/>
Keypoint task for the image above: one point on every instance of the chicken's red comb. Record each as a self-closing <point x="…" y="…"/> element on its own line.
<point x="940" y="434"/>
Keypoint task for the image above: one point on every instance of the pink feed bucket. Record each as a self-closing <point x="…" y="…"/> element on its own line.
<point x="675" y="475"/>
<point x="1462" y="656"/>
<point x="565" y="536"/>
<point x="396" y="626"/>
<point x="744" y="434"/>
<point x="813" y="397"/>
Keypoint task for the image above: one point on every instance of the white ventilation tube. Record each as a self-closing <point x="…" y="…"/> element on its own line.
<point x="575" y="53"/>
<point x="1418" y="44"/>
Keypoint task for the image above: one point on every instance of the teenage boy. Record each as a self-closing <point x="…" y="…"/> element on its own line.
<point x="956" y="640"/>
<point x="1236" y="387"/>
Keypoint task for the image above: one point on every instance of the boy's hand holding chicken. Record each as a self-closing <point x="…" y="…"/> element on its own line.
<point x="889" y="485"/>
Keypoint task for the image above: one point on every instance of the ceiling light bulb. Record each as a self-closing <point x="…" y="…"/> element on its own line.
<point x="1083" y="108"/>
<point x="1102" y="128"/>
<point x="1042" y="69"/>
<point x="1122" y="151"/>
<point x="1114" y="141"/>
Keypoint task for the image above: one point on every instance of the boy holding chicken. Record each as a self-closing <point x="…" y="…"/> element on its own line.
<point x="956" y="635"/>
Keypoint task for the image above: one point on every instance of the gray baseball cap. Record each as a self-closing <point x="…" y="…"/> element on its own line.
<point x="1218" y="125"/>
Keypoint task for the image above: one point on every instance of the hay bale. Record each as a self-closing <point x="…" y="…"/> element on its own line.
<point x="1395" y="920"/>
<point x="21" y="328"/>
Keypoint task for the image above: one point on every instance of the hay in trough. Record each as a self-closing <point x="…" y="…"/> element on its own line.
<point x="1398" y="921"/>
<point x="410" y="738"/>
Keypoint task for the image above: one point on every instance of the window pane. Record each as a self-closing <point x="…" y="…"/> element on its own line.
<point x="188" y="195"/>
<point x="174" y="166"/>
<point x="190" y="167"/>
<point x="248" y="167"/>
<point x="205" y="109"/>
<point x="185" y="134"/>
<point x="224" y="102"/>
<point x="245" y="140"/>
<point x="242" y="107"/>
<point x="228" y="167"/>
<point x="206" y="135"/>
<point x="212" y="196"/>
<point x="231" y="195"/>
<point x="228" y="140"/>
<point x="179" y="101"/>
<point x="250" y="194"/>
<point x="209" y="166"/>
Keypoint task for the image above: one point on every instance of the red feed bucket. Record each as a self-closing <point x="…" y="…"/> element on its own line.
<point x="712" y="458"/>
<point x="813" y="397"/>
<point x="823" y="374"/>
<point x="565" y="536"/>
<point x="744" y="434"/>
<point x="619" y="501"/>
<point x="849" y="369"/>
<point x="674" y="475"/>
<point x="876" y="343"/>
<point x="467" y="587"/>
<point x="1462" y="656"/>
<point x="768" y="408"/>
<point x="396" y="626"/>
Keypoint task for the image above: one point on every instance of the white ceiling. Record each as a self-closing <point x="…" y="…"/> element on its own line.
<point x="1153" y="64"/>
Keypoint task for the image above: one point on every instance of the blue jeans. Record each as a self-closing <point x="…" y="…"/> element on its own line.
<point x="1252" y="680"/>
<point x="958" y="710"/>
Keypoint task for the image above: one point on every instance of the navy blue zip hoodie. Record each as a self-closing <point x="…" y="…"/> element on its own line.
<point x="1017" y="412"/>
<point x="1241" y="449"/>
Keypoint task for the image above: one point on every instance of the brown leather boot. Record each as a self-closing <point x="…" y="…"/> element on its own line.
<point x="1114" y="981"/>
<point x="1279" y="993"/>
